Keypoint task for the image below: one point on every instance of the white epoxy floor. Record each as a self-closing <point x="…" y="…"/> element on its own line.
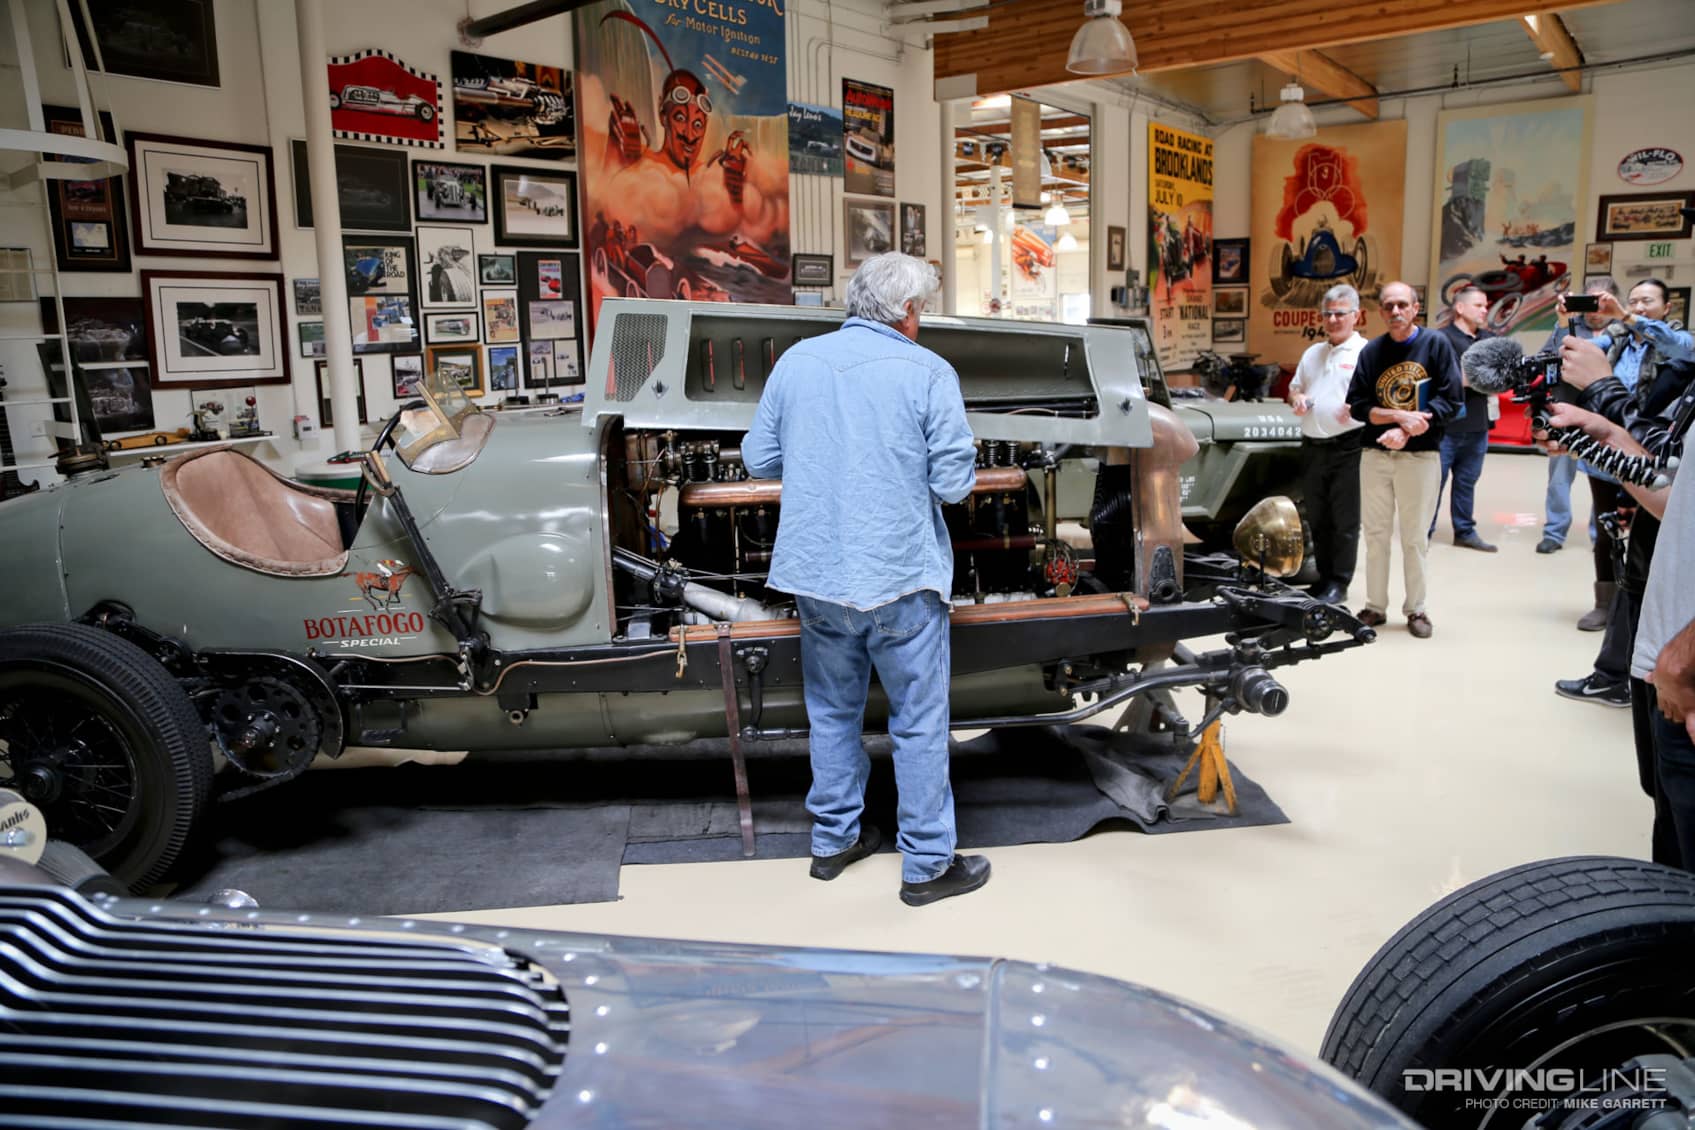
<point x="1407" y="768"/>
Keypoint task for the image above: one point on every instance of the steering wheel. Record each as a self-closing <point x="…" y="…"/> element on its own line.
<point x="361" y="497"/>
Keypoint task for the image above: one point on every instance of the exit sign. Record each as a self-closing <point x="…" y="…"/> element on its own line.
<point x="1659" y="251"/>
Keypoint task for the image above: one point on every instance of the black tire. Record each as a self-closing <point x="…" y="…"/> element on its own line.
<point x="1557" y="964"/>
<point x="85" y="715"/>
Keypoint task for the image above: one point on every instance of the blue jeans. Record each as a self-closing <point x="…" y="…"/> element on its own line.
<point x="907" y="642"/>
<point x="1557" y="505"/>
<point x="1463" y="455"/>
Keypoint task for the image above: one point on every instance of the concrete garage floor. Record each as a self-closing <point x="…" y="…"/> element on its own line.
<point x="1408" y="769"/>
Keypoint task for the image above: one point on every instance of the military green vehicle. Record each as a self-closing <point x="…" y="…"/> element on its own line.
<point x="560" y="579"/>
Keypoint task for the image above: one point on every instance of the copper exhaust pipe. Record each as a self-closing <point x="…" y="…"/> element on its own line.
<point x="769" y="492"/>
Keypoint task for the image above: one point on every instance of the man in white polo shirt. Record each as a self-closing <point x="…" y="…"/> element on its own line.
<point x="1330" y="443"/>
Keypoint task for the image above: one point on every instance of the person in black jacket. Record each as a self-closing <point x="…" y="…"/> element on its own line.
<point x="1465" y="441"/>
<point x="1406" y="389"/>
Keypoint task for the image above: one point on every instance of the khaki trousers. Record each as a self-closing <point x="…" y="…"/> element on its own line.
<point x="1397" y="490"/>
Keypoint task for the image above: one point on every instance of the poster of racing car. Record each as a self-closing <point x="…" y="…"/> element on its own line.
<point x="1509" y="182"/>
<point x="868" y="138"/>
<point x="1180" y="243"/>
<point x="376" y="97"/>
<point x="1325" y="210"/>
<point x="512" y="108"/>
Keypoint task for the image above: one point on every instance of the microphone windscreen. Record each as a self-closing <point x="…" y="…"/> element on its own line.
<point x="1488" y="364"/>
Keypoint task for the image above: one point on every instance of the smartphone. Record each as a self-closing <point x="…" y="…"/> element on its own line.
<point x="1583" y="303"/>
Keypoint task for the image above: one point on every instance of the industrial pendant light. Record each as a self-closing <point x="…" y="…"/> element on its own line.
<point x="1102" y="46"/>
<point x="1056" y="216"/>
<point x="1292" y="120"/>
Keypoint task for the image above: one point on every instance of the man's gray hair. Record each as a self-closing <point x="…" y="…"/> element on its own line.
<point x="1595" y="284"/>
<point x="884" y="284"/>
<point x="1341" y="292"/>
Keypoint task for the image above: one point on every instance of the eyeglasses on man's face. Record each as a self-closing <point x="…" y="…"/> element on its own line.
<point x="1338" y="313"/>
<point x="1397" y="304"/>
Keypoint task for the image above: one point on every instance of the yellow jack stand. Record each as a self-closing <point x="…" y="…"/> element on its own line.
<point x="1209" y="753"/>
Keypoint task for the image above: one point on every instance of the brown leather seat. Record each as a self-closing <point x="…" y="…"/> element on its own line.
<point x="251" y="516"/>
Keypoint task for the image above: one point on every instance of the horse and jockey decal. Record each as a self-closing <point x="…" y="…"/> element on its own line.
<point x="388" y="622"/>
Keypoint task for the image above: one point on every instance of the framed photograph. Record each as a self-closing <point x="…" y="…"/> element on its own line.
<point x="509" y="108"/>
<point x="1229" y="330"/>
<point x="162" y="40"/>
<point x="1115" y="260"/>
<point x="208" y="199"/>
<point x="301" y="174"/>
<point x="539" y="372"/>
<point x="496" y="270"/>
<point x="311" y="336"/>
<point x="373" y="188"/>
<point x="442" y="329"/>
<point x="461" y="364"/>
<point x="450" y="192"/>
<point x="502" y="368"/>
<point x="567" y="362"/>
<point x="869" y="226"/>
<point x="1230" y="302"/>
<point x="108" y="346"/>
<point x="383" y="323"/>
<point x="408" y="374"/>
<point x="326" y="416"/>
<point x="211" y="330"/>
<point x="447" y="260"/>
<point x="549" y="296"/>
<point x="814" y="270"/>
<point x="912" y="229"/>
<point x="90" y="229"/>
<point x="1598" y="258"/>
<point x="550" y="321"/>
<point x="1229" y="264"/>
<point x="534" y="207"/>
<point x="1677" y="304"/>
<point x="500" y="316"/>
<point x="378" y="265"/>
<point x="1644" y="215"/>
<point x="376" y="97"/>
<point x="307" y="302"/>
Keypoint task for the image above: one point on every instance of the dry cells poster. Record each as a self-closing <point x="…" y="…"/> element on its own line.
<point x="868" y="138"/>
<point x="685" y="150"/>
<point x="1180" y="243"/>
<point x="1326" y="210"/>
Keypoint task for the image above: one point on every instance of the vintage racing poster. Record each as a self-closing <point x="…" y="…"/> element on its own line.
<point x="512" y="108"/>
<point x="1180" y="243"/>
<point x="868" y="138"/>
<point x="685" y="160"/>
<point x="1325" y="210"/>
<point x="376" y="97"/>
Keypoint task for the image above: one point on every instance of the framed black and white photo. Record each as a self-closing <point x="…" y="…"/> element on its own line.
<point x="90" y="228"/>
<point x="500" y="316"/>
<point x="502" y="368"/>
<point x="105" y="333"/>
<point x="534" y="207"/>
<point x="326" y="417"/>
<point x="460" y="364"/>
<point x="540" y="370"/>
<point x="408" y="375"/>
<point x="311" y="336"/>
<point x="496" y="270"/>
<point x="373" y="188"/>
<point x="1115" y="249"/>
<point x="549" y="321"/>
<point x="452" y="192"/>
<point x="814" y="270"/>
<point x="869" y="227"/>
<point x="208" y="199"/>
<point x="447" y="264"/>
<point x="307" y="302"/>
<point x="210" y="330"/>
<point x="1229" y="330"/>
<point x="912" y="238"/>
<point x="1230" y="302"/>
<point x="567" y="362"/>
<point x="162" y="40"/>
<point x="443" y="329"/>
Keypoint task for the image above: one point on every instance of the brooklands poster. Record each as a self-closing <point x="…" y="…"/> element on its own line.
<point x="684" y="150"/>
<point x="1179" y="243"/>
<point x="1326" y="210"/>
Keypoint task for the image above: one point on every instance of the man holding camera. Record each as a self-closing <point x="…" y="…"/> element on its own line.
<point x="1330" y="442"/>
<point x="1587" y="325"/>
<point x="1465" y="441"/>
<point x="1406" y="388"/>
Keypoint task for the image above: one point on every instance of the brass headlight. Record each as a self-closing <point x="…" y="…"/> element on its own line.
<point x="1269" y="537"/>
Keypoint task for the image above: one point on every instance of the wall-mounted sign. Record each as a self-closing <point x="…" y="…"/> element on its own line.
<point x="1653" y="165"/>
<point x="1659" y="251"/>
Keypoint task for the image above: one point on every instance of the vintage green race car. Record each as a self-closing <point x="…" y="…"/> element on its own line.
<point x="556" y="579"/>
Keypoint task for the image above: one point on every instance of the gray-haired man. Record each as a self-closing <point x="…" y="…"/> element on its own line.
<point x="867" y="430"/>
<point x="1330" y="442"/>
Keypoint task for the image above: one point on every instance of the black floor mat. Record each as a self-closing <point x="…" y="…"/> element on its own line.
<point x="530" y="831"/>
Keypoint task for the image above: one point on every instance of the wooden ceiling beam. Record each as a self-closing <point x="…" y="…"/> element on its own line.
<point x="1554" y="41"/>
<point x="1319" y="71"/>
<point x="1026" y="42"/>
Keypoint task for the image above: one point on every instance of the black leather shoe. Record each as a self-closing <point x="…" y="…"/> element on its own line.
<point x="965" y="874"/>
<point x="827" y="867"/>
<point x="1549" y="545"/>
<point x="1332" y="593"/>
<point x="1472" y="541"/>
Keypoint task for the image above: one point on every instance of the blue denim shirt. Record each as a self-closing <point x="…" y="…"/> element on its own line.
<point x="1673" y="345"/>
<point x="867" y="431"/>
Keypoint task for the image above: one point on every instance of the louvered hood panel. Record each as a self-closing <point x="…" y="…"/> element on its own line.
<point x="112" y="1022"/>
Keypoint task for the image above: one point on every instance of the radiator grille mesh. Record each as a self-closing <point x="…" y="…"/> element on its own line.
<point x="638" y="345"/>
